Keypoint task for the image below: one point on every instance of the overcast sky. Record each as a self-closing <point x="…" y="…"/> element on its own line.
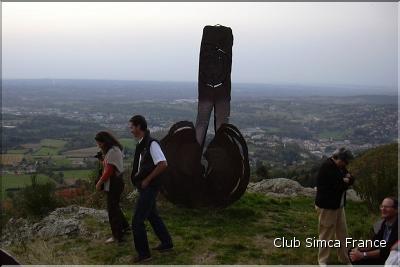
<point x="304" y="43"/>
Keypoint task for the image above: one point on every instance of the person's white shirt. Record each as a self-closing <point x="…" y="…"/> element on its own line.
<point x="114" y="156"/>
<point x="394" y="256"/>
<point x="156" y="153"/>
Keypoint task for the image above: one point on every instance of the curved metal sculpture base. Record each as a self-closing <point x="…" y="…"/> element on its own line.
<point x="219" y="181"/>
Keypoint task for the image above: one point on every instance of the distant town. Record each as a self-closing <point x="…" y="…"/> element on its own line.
<point x="51" y="134"/>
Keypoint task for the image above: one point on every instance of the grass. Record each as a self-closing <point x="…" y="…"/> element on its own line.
<point x="49" y="147"/>
<point x="78" y="174"/>
<point x="240" y="234"/>
<point x="19" y="181"/>
<point x="128" y="143"/>
<point x="46" y="151"/>
<point x="61" y="162"/>
<point x="57" y="143"/>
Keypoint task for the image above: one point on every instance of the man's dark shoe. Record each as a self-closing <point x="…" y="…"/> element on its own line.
<point x="139" y="259"/>
<point x="163" y="248"/>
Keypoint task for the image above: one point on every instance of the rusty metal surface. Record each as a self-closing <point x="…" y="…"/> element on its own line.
<point x="219" y="181"/>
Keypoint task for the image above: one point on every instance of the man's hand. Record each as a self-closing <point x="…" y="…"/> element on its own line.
<point x="145" y="183"/>
<point x="356" y="255"/>
<point x="160" y="167"/>
<point x="98" y="185"/>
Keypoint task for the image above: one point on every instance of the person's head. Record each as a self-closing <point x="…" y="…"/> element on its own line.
<point x="389" y="208"/>
<point x="106" y="140"/>
<point x="342" y="157"/>
<point x="138" y="126"/>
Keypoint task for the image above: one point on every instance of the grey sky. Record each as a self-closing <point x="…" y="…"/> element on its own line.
<point x="305" y="43"/>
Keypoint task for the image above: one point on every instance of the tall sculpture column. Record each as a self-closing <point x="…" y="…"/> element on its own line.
<point x="214" y="82"/>
<point x="187" y="182"/>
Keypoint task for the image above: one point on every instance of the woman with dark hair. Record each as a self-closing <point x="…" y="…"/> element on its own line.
<point x="113" y="183"/>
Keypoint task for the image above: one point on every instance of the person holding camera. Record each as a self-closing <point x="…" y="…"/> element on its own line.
<point x="111" y="181"/>
<point x="333" y="180"/>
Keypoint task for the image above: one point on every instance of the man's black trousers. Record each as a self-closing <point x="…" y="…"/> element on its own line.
<point x="146" y="209"/>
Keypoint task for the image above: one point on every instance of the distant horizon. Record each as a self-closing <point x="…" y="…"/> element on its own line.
<point x="339" y="85"/>
<point x="188" y="89"/>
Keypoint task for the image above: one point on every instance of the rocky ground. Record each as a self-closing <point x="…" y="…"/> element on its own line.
<point x="242" y="233"/>
<point x="72" y="220"/>
<point x="62" y="221"/>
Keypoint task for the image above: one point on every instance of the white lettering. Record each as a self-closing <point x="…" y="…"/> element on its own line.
<point x="282" y="242"/>
<point x="275" y="242"/>
<point x="312" y="242"/>
<point x="351" y="243"/>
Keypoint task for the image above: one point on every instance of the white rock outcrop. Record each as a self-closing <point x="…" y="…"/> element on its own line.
<point x="62" y="221"/>
<point x="283" y="187"/>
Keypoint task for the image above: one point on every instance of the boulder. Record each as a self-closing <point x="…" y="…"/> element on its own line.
<point x="353" y="196"/>
<point x="61" y="222"/>
<point x="58" y="227"/>
<point x="280" y="187"/>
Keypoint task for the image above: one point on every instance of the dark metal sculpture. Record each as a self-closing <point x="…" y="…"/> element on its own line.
<point x="222" y="176"/>
<point x="214" y="84"/>
<point x="7" y="259"/>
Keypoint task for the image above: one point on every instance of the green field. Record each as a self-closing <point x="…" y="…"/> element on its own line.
<point x="49" y="147"/>
<point x="46" y="151"/>
<point x="17" y="151"/>
<point x="240" y="234"/>
<point x="78" y="174"/>
<point x="129" y="143"/>
<point x="61" y="162"/>
<point x="57" y="143"/>
<point x="19" y="181"/>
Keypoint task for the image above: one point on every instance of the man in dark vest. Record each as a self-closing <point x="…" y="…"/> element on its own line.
<point x="148" y="164"/>
<point x="332" y="182"/>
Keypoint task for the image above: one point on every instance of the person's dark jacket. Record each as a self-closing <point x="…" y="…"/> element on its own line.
<point x="330" y="185"/>
<point x="393" y="237"/>
<point x="146" y="164"/>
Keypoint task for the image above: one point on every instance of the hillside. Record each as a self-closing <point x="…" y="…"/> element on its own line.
<point x="240" y="234"/>
<point x="376" y="168"/>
